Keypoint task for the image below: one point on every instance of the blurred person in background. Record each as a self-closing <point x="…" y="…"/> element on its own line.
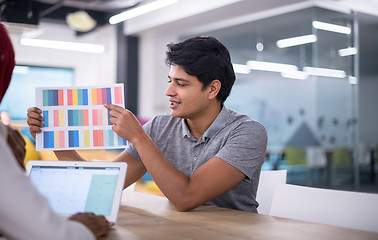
<point x="24" y="213"/>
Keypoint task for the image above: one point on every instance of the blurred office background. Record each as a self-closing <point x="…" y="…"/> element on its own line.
<point x="307" y="70"/>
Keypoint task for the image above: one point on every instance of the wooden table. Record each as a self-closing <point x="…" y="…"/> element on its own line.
<point x="145" y="216"/>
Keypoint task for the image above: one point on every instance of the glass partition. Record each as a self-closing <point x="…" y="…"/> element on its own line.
<point x="297" y="73"/>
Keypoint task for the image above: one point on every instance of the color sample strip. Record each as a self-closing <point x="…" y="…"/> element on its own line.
<point x="73" y="138"/>
<point x="52" y="97"/>
<point x="59" y="141"/>
<point x="85" y="117"/>
<point x="61" y="118"/>
<point x="118" y="95"/>
<point x="70" y="117"/>
<point x="53" y="139"/>
<point x="86" y="138"/>
<point x="69" y="97"/>
<point x="74" y="97"/>
<point x="48" y="139"/>
<point x="77" y="97"/>
<point x="109" y="123"/>
<point x="62" y="139"/>
<point x="94" y="117"/>
<point x="94" y="96"/>
<point x="60" y="97"/>
<point x="51" y="118"/>
<point x="78" y="118"/>
<point x="121" y="141"/>
<point x="106" y="138"/>
<point x="110" y="139"/>
<point x="75" y="117"/>
<point x="84" y="96"/>
<point x="98" y="138"/>
<point x="45" y="116"/>
<point x="108" y="94"/>
<point x="100" y="117"/>
<point x="58" y="118"/>
<point x="104" y="97"/>
<point x="45" y="97"/>
<point x="104" y="115"/>
<point x="103" y="138"/>
<point x="101" y="96"/>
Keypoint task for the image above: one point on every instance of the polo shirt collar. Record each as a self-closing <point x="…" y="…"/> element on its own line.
<point x="219" y="123"/>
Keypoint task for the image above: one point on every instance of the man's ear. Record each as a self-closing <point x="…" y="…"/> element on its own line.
<point x="214" y="88"/>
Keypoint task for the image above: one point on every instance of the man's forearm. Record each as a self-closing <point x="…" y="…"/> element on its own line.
<point x="70" y="155"/>
<point x="171" y="181"/>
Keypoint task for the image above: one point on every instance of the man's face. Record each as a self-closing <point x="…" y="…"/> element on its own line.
<point x="187" y="98"/>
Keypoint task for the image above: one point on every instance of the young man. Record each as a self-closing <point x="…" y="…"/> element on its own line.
<point x="24" y="213"/>
<point x="202" y="153"/>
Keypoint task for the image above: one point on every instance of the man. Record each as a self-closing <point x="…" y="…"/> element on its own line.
<point x="24" y="213"/>
<point x="203" y="153"/>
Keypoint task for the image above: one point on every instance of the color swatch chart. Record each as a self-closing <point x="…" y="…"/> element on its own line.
<point x="75" y="118"/>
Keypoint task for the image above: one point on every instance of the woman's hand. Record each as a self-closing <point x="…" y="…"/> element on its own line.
<point x="98" y="225"/>
<point x="35" y="120"/>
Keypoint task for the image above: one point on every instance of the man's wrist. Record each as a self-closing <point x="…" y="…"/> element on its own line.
<point x="141" y="139"/>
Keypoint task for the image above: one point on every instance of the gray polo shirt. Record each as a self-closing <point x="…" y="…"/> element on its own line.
<point x="232" y="137"/>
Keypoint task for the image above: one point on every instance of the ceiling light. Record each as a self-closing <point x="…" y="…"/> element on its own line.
<point x="347" y="51"/>
<point x="331" y="27"/>
<point x="259" y="46"/>
<point x="295" y="75"/>
<point x="241" y="68"/>
<point x="140" y="10"/>
<point x="324" y="72"/>
<point x="80" y="21"/>
<point x="352" y="80"/>
<point x="71" y="46"/>
<point x="272" y="67"/>
<point x="289" y="42"/>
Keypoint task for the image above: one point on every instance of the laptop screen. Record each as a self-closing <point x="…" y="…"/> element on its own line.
<point x="71" y="189"/>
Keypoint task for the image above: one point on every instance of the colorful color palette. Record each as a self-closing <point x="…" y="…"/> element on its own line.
<point x="45" y="115"/>
<point x="53" y="139"/>
<point x="118" y="95"/>
<point x="53" y="97"/>
<point x="77" y="97"/>
<point x="107" y="138"/>
<point x="78" y="118"/>
<point x="75" y="118"/>
<point x="54" y="118"/>
<point x="58" y="118"/>
<point x="101" y="96"/>
<point x="101" y="117"/>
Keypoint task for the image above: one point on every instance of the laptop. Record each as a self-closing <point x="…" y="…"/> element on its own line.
<point x="80" y="186"/>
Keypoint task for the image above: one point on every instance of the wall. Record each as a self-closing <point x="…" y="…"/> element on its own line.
<point x="90" y="69"/>
<point x="157" y="29"/>
<point x="153" y="73"/>
<point x="368" y="102"/>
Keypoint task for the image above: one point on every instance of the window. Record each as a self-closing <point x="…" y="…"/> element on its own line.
<point x="21" y="92"/>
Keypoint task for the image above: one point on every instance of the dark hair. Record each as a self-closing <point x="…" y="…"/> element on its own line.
<point x="205" y="58"/>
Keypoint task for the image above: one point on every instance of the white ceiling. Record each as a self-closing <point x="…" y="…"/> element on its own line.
<point x="199" y="15"/>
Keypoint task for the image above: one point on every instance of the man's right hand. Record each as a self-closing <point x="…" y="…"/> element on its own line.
<point x="35" y="120"/>
<point x="98" y="225"/>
